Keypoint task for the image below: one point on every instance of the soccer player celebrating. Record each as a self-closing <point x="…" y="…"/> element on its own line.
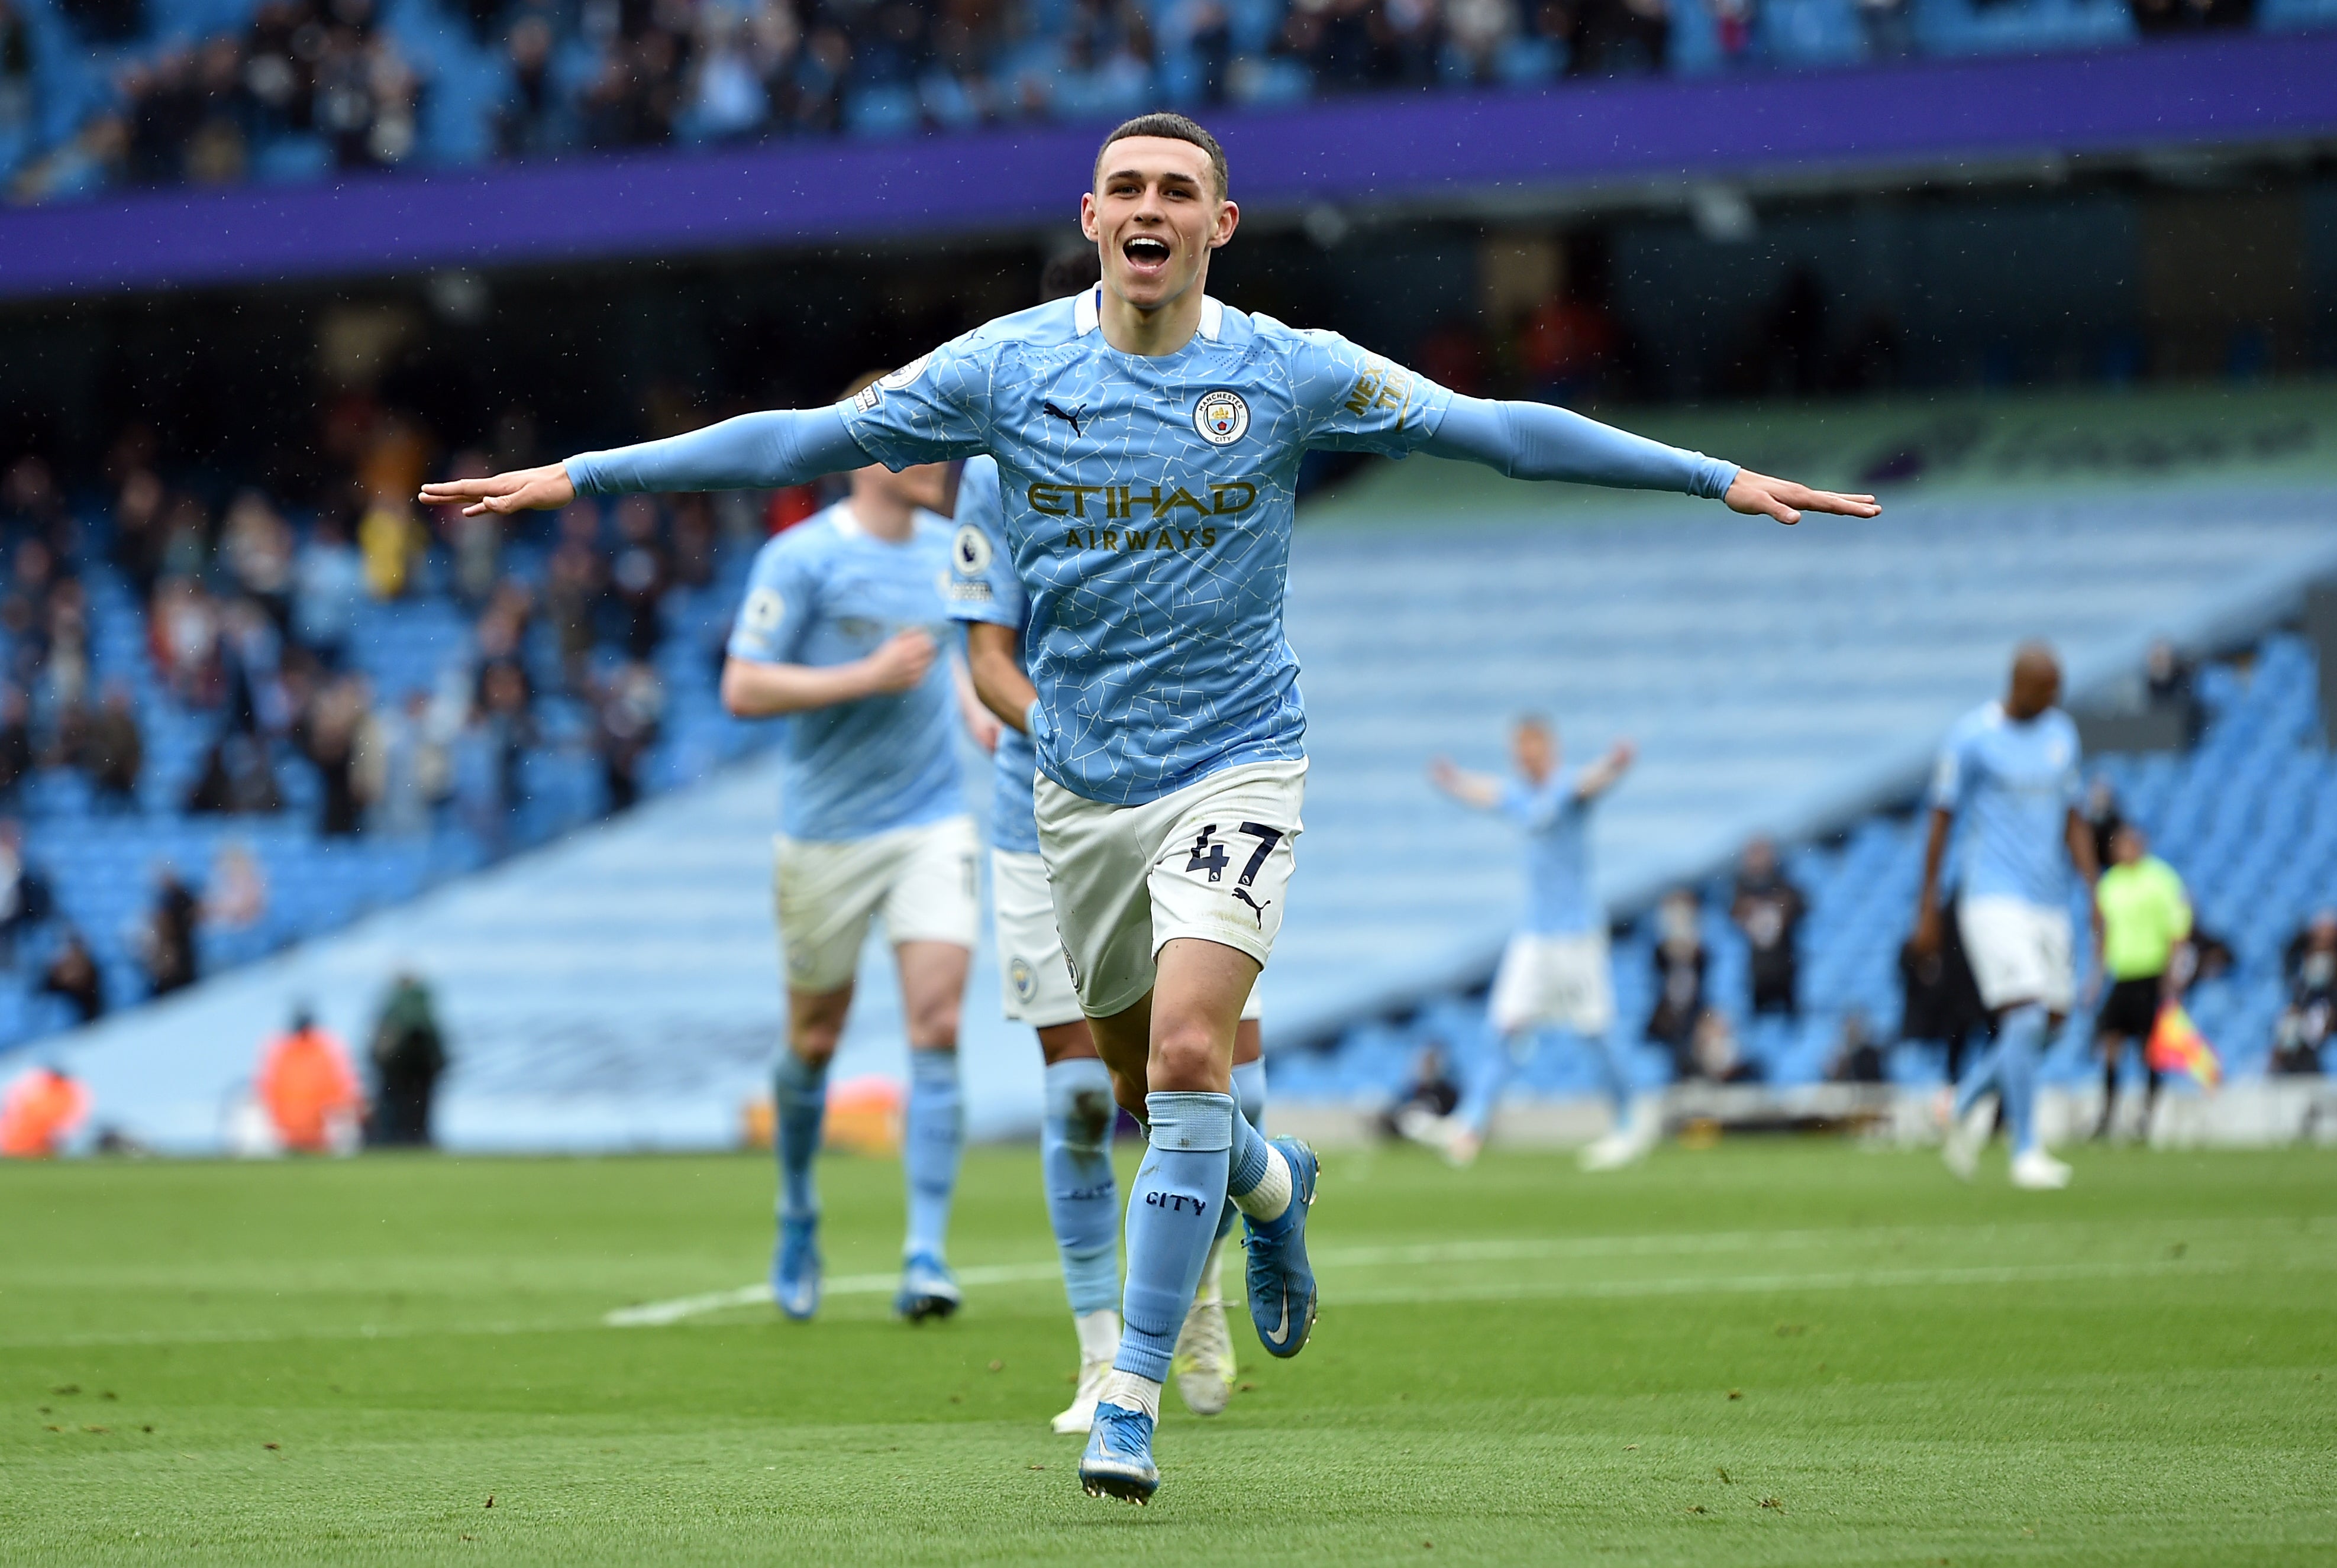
<point x="1075" y="1130"/>
<point x="1555" y="970"/>
<point x="2010" y="769"/>
<point x="1148" y="441"/>
<point x="838" y="630"/>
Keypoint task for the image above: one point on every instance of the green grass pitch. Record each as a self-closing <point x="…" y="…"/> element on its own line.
<point x="1763" y="1353"/>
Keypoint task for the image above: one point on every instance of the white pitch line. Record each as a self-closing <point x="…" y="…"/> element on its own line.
<point x="657" y="1314"/>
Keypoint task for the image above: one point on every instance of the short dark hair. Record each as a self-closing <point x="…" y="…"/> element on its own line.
<point x="1071" y="272"/>
<point x="1173" y="127"/>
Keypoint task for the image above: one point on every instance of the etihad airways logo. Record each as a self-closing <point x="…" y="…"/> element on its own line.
<point x="1112" y="503"/>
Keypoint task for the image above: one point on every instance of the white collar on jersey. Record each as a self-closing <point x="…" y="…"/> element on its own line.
<point x="1088" y="315"/>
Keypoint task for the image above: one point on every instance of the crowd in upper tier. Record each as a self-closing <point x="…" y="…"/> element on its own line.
<point x="105" y="94"/>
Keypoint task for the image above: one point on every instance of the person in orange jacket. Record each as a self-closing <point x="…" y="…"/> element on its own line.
<point x="40" y="1112"/>
<point x="308" y="1088"/>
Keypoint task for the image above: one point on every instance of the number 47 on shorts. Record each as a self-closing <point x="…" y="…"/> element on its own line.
<point x="1210" y="854"/>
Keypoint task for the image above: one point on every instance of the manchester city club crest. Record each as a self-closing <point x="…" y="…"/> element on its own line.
<point x="1221" y="416"/>
<point x="1025" y="983"/>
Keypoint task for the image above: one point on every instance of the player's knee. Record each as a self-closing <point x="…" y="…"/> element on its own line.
<point x="814" y="1039"/>
<point x="1186" y="1059"/>
<point x="933" y="1023"/>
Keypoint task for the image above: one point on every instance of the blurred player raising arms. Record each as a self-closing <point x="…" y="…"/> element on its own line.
<point x="1075" y="1132"/>
<point x="1148" y="441"/>
<point x="838" y="629"/>
<point x="1555" y="970"/>
<point x="2009" y="768"/>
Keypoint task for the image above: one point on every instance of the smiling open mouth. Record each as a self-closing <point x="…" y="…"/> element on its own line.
<point x="1146" y="253"/>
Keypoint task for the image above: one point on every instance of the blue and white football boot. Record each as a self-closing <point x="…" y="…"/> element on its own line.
<point x="796" y="1267"/>
<point x="1118" y="1459"/>
<point x="928" y="1290"/>
<point x="1281" y="1284"/>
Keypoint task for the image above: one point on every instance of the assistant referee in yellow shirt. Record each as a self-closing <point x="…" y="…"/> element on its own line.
<point x="2146" y="914"/>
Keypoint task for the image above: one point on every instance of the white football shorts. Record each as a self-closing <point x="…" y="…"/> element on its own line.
<point x="1211" y="860"/>
<point x="1563" y="982"/>
<point x="924" y="880"/>
<point x="2019" y="951"/>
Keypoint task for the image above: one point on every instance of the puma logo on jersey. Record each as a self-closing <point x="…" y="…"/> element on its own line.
<point x="1255" y="907"/>
<point x="1066" y="415"/>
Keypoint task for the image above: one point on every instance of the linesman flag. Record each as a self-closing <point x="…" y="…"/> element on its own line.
<point x="2176" y="1046"/>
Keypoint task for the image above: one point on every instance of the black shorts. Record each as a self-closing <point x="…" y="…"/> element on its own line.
<point x="2130" y="1009"/>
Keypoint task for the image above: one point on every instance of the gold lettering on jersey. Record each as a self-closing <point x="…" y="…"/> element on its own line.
<point x="1381" y="385"/>
<point x="1126" y="504"/>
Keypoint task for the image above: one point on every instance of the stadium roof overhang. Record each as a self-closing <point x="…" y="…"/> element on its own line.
<point x="1618" y="141"/>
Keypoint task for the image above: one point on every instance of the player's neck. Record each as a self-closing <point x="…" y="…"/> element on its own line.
<point x="1157" y="332"/>
<point x="881" y="516"/>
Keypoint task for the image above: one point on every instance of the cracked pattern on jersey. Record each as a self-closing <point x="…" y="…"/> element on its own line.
<point x="1146" y="515"/>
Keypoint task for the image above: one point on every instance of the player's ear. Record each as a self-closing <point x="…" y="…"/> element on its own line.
<point x="1087" y="216"/>
<point x="1228" y="217"/>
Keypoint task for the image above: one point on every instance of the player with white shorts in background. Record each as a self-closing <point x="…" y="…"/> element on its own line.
<point x="2008" y="772"/>
<point x="1076" y="1126"/>
<point x="1149" y="440"/>
<point x="1555" y="972"/>
<point x="838" y="631"/>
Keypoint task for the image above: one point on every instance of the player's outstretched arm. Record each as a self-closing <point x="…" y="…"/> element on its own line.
<point x="1471" y="789"/>
<point x="1607" y="772"/>
<point x="1536" y="440"/>
<point x="753" y="452"/>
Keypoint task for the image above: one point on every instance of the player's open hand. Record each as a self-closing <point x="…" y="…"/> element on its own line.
<point x="543" y="488"/>
<point x="902" y="662"/>
<point x="1758" y="495"/>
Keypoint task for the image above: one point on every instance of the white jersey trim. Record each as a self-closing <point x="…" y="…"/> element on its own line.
<point x="1087" y="315"/>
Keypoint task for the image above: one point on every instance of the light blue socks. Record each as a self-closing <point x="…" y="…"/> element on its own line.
<point x="1082" y="1196"/>
<point x="800" y="1093"/>
<point x="1249" y="1153"/>
<point x="1172" y="1221"/>
<point x="929" y="1152"/>
<point x="2009" y="1067"/>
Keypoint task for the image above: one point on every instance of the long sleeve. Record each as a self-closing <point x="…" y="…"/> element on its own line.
<point x="1536" y="440"/>
<point x="753" y="452"/>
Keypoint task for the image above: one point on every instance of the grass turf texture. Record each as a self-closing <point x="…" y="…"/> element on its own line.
<point x="1761" y="1353"/>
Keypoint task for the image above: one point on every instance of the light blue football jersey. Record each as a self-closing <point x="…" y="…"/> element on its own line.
<point x="827" y="593"/>
<point x="1148" y="511"/>
<point x="2011" y="785"/>
<point x="984" y="588"/>
<point x="1560" y="900"/>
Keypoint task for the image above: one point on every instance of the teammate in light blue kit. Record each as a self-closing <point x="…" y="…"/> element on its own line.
<point x="838" y="631"/>
<point x="2009" y="770"/>
<point x="1555" y="971"/>
<point x="1148" y="441"/>
<point x="1075" y="1129"/>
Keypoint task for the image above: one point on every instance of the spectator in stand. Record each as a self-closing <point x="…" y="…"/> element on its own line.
<point x="1857" y="1059"/>
<point x="167" y="943"/>
<point x="328" y="586"/>
<point x="1713" y="1055"/>
<point x="183" y="632"/>
<point x="237" y="779"/>
<point x="631" y="705"/>
<point x="2167" y="687"/>
<point x="410" y="1055"/>
<point x="327" y="733"/>
<point x="15" y="740"/>
<point x="533" y="119"/>
<point x="137" y="550"/>
<point x="576" y="577"/>
<point x="257" y="544"/>
<point x="390" y="542"/>
<point x="107" y="747"/>
<point x="44" y="1107"/>
<point x="1430" y="1097"/>
<point x="309" y="1089"/>
<point x="25" y="901"/>
<point x="401" y="768"/>
<point x="640" y="576"/>
<point x="235" y="899"/>
<point x="73" y="978"/>
<point x="490" y="776"/>
<point x="1680" y="959"/>
<point x="1768" y="909"/>
<point x="2305" y="1024"/>
<point x="2146" y="916"/>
